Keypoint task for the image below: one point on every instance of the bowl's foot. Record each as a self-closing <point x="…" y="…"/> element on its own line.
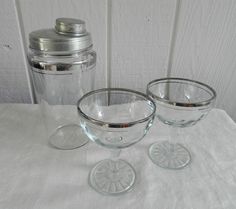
<point x="168" y="155"/>
<point x="110" y="177"/>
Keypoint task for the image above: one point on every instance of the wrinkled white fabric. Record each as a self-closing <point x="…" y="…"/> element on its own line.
<point x="34" y="175"/>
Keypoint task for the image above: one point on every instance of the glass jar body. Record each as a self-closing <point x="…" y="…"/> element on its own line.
<point x="59" y="81"/>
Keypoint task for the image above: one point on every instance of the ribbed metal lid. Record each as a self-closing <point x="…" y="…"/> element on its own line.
<point x="69" y="35"/>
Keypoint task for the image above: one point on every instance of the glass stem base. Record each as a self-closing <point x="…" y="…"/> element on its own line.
<point x="111" y="177"/>
<point x="66" y="137"/>
<point x="169" y="155"/>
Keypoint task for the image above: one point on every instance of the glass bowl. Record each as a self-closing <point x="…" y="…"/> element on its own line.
<point x="115" y="118"/>
<point x="180" y="103"/>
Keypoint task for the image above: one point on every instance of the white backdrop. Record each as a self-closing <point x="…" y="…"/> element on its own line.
<point x="136" y="41"/>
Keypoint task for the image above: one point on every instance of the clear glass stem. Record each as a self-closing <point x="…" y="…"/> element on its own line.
<point x="115" y="154"/>
<point x="173" y="134"/>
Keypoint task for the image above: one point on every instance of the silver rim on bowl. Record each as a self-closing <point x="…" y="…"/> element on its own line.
<point x="182" y="104"/>
<point x="116" y="125"/>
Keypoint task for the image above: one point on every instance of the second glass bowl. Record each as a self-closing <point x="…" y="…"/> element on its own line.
<point x="180" y="103"/>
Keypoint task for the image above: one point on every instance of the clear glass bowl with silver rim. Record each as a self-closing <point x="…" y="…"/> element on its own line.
<point x="180" y="103"/>
<point x="115" y="118"/>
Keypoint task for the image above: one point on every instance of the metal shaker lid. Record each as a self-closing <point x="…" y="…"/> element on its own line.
<point x="69" y="35"/>
<point x="69" y="26"/>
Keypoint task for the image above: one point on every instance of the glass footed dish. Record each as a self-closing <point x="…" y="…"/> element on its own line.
<point x="115" y="118"/>
<point x="180" y="103"/>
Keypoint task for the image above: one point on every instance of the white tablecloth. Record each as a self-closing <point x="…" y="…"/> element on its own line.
<point x="33" y="175"/>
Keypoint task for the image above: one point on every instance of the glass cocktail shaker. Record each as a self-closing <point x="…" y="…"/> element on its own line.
<point x="63" y="69"/>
